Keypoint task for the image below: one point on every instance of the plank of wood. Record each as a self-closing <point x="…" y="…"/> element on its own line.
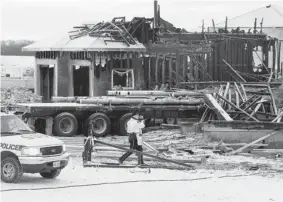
<point x="256" y="141"/>
<point x="215" y="106"/>
<point x="177" y="66"/>
<point x="237" y="99"/>
<point x="278" y="118"/>
<point x="163" y="70"/>
<point x="204" y="115"/>
<point x="238" y="90"/>
<point x="222" y="103"/>
<point x="273" y="101"/>
<point x="230" y="98"/>
<point x="233" y="105"/>
<point x="156" y="68"/>
<point x="255" y="110"/>
<point x="252" y="103"/>
<point x="170" y="70"/>
<point x="244" y="92"/>
<point x="146" y="154"/>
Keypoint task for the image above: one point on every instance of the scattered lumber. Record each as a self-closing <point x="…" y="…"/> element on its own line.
<point x="215" y="106"/>
<point x="256" y="141"/>
<point x="233" y="105"/>
<point x="146" y="154"/>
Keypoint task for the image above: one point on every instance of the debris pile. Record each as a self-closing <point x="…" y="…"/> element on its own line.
<point x="192" y="148"/>
<point x="18" y="95"/>
<point x="243" y="102"/>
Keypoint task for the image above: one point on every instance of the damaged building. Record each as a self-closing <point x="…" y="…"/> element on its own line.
<point x="147" y="52"/>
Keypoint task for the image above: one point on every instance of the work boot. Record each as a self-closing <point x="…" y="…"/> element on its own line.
<point x="140" y="160"/>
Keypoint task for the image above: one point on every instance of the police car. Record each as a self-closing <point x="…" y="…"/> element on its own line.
<point x="25" y="151"/>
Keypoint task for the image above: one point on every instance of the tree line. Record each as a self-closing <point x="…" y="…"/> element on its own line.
<point x="13" y="47"/>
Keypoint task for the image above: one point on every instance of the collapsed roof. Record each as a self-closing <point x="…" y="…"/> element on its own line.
<point x="100" y="37"/>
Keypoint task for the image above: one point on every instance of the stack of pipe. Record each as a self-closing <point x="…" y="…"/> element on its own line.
<point x="155" y="93"/>
<point x="146" y="101"/>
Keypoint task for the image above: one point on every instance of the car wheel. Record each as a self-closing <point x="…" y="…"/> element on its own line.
<point x="51" y="175"/>
<point x="11" y="170"/>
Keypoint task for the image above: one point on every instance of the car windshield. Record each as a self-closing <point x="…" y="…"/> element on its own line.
<point x="12" y="125"/>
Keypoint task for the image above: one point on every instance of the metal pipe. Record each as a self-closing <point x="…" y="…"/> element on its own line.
<point x="127" y="101"/>
<point x="153" y="93"/>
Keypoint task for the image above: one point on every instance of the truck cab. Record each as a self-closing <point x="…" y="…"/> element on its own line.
<point x="25" y="151"/>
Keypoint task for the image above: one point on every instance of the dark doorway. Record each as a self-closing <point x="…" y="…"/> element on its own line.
<point x="81" y="80"/>
<point x="46" y="82"/>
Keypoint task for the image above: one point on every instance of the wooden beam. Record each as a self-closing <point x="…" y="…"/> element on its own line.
<point x="215" y="106"/>
<point x="230" y="98"/>
<point x="233" y="105"/>
<point x="273" y="101"/>
<point x="238" y="90"/>
<point x="177" y="66"/>
<point x="255" y="110"/>
<point x="156" y="69"/>
<point x="170" y="70"/>
<point x="149" y="71"/>
<point x="244" y="91"/>
<point x="145" y="154"/>
<point x="163" y="70"/>
<point x="237" y="99"/>
<point x="254" y="142"/>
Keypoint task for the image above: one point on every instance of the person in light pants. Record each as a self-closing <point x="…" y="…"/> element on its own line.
<point x="134" y="130"/>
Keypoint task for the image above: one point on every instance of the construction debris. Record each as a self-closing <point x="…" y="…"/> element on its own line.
<point x="18" y="95"/>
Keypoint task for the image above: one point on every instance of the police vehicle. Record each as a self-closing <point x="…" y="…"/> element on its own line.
<point x="25" y="151"/>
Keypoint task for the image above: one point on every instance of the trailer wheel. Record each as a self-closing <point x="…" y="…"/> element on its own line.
<point x="170" y="120"/>
<point x="101" y="124"/>
<point x="65" y="125"/>
<point x="123" y="123"/>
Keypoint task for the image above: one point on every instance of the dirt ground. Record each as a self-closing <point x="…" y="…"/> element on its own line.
<point x="219" y="178"/>
<point x="77" y="183"/>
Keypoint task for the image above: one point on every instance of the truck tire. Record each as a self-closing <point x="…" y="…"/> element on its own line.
<point x="170" y="120"/>
<point x="101" y="124"/>
<point x="122" y="124"/>
<point x="11" y="170"/>
<point x="65" y="125"/>
<point x="52" y="174"/>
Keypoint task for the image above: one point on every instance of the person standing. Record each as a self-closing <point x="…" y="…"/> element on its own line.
<point x="134" y="130"/>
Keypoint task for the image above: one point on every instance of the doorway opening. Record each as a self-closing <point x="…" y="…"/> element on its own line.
<point x="81" y="80"/>
<point x="46" y="84"/>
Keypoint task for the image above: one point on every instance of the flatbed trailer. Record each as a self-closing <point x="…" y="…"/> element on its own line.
<point x="69" y="119"/>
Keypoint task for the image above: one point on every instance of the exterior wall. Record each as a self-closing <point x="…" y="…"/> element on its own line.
<point x="138" y="73"/>
<point x="62" y="75"/>
<point x="99" y="77"/>
<point x="102" y="79"/>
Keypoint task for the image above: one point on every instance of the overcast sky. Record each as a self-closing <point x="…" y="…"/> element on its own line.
<point x="37" y="19"/>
